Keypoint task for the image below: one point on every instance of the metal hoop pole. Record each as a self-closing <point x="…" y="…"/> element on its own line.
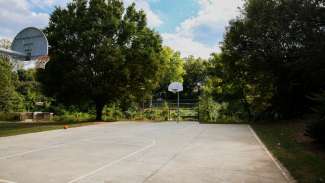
<point x="177" y="106"/>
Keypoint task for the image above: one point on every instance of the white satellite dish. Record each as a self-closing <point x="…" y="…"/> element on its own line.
<point x="30" y="44"/>
<point x="175" y="87"/>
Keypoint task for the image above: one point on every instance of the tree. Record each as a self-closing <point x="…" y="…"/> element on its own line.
<point x="100" y="53"/>
<point x="174" y="66"/>
<point x="273" y="54"/>
<point x="29" y="88"/>
<point x="196" y="74"/>
<point x="10" y="100"/>
<point x="172" y="69"/>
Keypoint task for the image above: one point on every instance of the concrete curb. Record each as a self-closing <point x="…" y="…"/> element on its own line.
<point x="283" y="170"/>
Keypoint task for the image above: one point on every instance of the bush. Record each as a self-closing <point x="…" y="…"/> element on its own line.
<point x="316" y="130"/>
<point x="209" y="110"/>
<point x="132" y="112"/>
<point x="4" y="116"/>
<point x="158" y="113"/>
<point x="112" y="112"/>
<point x="165" y="112"/>
<point x="72" y="117"/>
<point x="151" y="114"/>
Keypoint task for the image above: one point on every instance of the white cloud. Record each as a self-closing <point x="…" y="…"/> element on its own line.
<point x="153" y="19"/>
<point x="187" y="46"/>
<point x="44" y="4"/>
<point x="213" y="16"/>
<point x="16" y="15"/>
<point x="189" y="37"/>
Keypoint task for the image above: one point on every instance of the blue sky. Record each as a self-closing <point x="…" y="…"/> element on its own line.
<point x="193" y="27"/>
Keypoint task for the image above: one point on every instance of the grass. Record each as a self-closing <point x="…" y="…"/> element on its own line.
<point x="300" y="155"/>
<point x="17" y="128"/>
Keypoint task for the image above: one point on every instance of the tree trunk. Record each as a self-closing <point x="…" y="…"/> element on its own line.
<point x="99" y="111"/>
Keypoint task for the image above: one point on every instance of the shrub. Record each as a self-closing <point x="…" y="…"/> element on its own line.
<point x="72" y="117"/>
<point x="112" y="112"/>
<point x="132" y="112"/>
<point x="165" y="112"/>
<point x="209" y="110"/>
<point x="150" y="114"/>
<point x="5" y="116"/>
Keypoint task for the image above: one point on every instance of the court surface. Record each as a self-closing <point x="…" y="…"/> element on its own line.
<point x="139" y="152"/>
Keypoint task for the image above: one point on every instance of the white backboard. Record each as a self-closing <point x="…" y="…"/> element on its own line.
<point x="32" y="42"/>
<point x="175" y="87"/>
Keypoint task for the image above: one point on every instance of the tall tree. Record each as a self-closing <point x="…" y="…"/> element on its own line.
<point x="172" y="69"/>
<point x="100" y="52"/>
<point x="196" y="73"/>
<point x="275" y="51"/>
<point x="174" y="66"/>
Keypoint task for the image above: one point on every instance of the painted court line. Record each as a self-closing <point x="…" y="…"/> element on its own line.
<point x="31" y="151"/>
<point x="153" y="143"/>
<point x="282" y="170"/>
<point x="6" y="181"/>
<point x="44" y="149"/>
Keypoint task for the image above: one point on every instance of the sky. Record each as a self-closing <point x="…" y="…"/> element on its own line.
<point x="193" y="27"/>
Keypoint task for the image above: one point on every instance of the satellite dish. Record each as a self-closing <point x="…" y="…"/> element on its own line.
<point x="175" y="87"/>
<point x="30" y="44"/>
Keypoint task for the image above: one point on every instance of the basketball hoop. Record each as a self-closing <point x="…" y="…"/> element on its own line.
<point x="176" y="87"/>
<point x="29" y="45"/>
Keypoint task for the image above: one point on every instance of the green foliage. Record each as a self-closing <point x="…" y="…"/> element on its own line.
<point x="196" y="74"/>
<point x="151" y="114"/>
<point x="165" y="111"/>
<point x="29" y="88"/>
<point x="305" y="163"/>
<point x="113" y="112"/>
<point x="5" y="116"/>
<point x="174" y="66"/>
<point x="74" y="117"/>
<point x="209" y="110"/>
<point x="172" y="69"/>
<point x="132" y="112"/>
<point x="157" y="113"/>
<point x="100" y="52"/>
<point x="10" y="100"/>
<point x="272" y="56"/>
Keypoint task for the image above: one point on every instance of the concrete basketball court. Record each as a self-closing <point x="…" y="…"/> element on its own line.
<point x="136" y="152"/>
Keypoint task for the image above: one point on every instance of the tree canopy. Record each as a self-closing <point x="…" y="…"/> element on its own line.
<point x="274" y="54"/>
<point x="100" y="52"/>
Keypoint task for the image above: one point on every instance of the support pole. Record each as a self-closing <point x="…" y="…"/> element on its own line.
<point x="177" y="106"/>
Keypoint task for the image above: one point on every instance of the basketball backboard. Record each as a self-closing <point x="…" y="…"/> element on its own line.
<point x="32" y="42"/>
<point x="175" y="87"/>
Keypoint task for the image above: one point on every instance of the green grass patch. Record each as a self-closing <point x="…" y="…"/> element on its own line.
<point x="300" y="155"/>
<point x="17" y="128"/>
